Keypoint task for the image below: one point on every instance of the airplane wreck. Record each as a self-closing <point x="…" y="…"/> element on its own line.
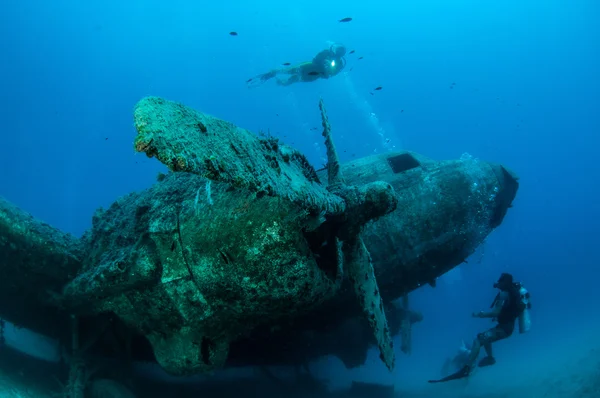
<point x="244" y="248"/>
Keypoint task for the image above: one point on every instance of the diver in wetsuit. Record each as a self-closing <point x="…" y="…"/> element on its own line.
<point x="509" y="304"/>
<point x="324" y="65"/>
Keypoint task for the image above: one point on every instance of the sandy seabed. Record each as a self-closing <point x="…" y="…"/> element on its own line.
<point x="570" y="369"/>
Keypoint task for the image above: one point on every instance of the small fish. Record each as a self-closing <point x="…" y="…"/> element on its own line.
<point x="377" y="88"/>
<point x="313" y="73"/>
<point x="106" y="139"/>
<point x="249" y="80"/>
<point x="224" y="256"/>
<point x="286" y="64"/>
<point x="360" y="57"/>
<point x="402" y="111"/>
<point x="233" y="33"/>
<point x="351" y="52"/>
<point x="347" y="19"/>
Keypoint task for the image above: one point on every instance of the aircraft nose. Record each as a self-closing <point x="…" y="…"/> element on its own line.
<point x="508" y="185"/>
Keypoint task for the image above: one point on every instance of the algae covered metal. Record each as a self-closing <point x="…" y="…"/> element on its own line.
<point x="445" y="211"/>
<point x="244" y="244"/>
<point x="276" y="182"/>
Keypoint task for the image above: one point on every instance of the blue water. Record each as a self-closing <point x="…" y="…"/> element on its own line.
<point x="515" y="82"/>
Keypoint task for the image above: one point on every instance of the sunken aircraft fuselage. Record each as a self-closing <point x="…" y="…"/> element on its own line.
<point x="243" y="243"/>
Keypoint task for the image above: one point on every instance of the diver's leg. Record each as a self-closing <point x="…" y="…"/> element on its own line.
<point x="292" y="70"/>
<point x="488" y="349"/>
<point x="491" y="336"/>
<point x="260" y="79"/>
<point x="482" y="340"/>
<point x="475" y="348"/>
<point x="289" y="80"/>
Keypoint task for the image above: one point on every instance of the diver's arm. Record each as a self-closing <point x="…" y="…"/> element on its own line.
<point x="498" y="304"/>
<point x="486" y="314"/>
<point x="322" y="57"/>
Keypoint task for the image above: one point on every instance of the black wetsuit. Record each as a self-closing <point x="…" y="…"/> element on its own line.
<point x="510" y="311"/>
<point x="321" y="63"/>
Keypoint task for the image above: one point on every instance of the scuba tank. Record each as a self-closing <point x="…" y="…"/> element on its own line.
<point x="525" y="304"/>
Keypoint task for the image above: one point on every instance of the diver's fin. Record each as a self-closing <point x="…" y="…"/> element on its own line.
<point x="260" y="79"/>
<point x="254" y="82"/>
<point x="447" y="366"/>
<point x="461" y="374"/>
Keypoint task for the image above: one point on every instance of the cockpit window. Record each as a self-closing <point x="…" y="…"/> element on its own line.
<point x="403" y="162"/>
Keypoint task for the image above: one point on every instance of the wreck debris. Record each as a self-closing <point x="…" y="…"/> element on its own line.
<point x="36" y="261"/>
<point x="78" y="372"/>
<point x="406" y="328"/>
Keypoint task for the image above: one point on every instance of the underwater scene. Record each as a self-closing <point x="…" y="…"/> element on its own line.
<point x="302" y="199"/>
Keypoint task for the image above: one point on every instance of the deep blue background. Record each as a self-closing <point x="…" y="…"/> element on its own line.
<point x="526" y="93"/>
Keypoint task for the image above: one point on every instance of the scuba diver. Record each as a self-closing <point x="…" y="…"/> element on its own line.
<point x="324" y="65"/>
<point x="510" y="304"/>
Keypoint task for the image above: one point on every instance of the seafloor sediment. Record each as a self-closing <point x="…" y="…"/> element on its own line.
<point x="575" y="377"/>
